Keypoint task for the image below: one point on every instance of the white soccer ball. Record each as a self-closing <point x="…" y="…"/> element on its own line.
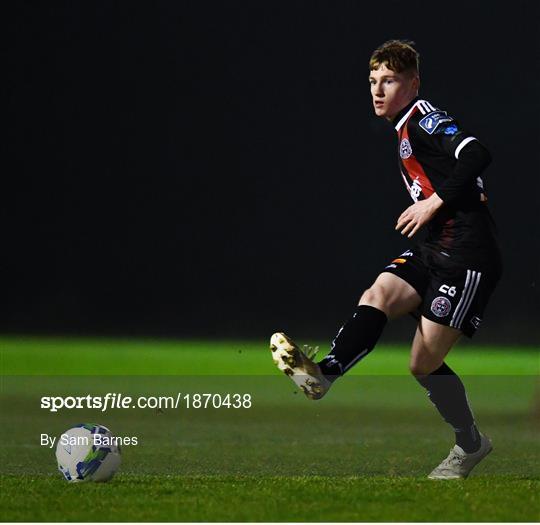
<point x="88" y="452"/>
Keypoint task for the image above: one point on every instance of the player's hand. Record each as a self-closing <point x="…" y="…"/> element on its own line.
<point x="420" y="213"/>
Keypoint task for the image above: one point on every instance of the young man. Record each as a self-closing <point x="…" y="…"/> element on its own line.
<point x="445" y="281"/>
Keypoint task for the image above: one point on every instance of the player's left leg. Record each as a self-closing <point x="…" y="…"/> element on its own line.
<point x="431" y="344"/>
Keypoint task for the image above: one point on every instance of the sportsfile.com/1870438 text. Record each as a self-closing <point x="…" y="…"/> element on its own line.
<point x="118" y="400"/>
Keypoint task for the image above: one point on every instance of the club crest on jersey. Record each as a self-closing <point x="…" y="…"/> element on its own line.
<point x="405" y="149"/>
<point x="432" y="121"/>
<point x="441" y="306"/>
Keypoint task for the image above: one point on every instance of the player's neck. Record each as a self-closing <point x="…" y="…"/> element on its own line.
<point x="403" y="108"/>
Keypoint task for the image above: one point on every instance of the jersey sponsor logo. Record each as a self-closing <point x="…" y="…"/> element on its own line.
<point x="405" y="149"/>
<point x="415" y="189"/>
<point x="399" y="261"/>
<point x="408" y="253"/>
<point x="432" y="121"/>
<point x="441" y="306"/>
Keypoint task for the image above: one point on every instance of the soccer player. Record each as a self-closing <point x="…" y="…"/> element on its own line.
<point x="444" y="281"/>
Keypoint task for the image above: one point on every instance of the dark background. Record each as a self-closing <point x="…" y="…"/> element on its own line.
<point x="215" y="169"/>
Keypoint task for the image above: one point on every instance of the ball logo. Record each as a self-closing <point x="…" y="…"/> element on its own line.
<point x="405" y="149"/>
<point x="441" y="306"/>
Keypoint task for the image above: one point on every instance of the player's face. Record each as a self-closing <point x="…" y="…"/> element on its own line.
<point x="391" y="91"/>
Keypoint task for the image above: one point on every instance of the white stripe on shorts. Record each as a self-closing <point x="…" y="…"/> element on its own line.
<point x="469" y="291"/>
<point x="463" y="295"/>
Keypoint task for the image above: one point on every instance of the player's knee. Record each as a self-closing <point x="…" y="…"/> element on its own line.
<point x="423" y="363"/>
<point x="374" y="296"/>
<point x="420" y="368"/>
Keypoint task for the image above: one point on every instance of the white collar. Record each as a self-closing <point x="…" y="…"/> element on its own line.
<point x="406" y="116"/>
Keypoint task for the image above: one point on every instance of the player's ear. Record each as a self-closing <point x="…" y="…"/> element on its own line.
<point x="417" y="80"/>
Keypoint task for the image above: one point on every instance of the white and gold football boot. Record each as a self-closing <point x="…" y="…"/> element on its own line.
<point x="299" y="366"/>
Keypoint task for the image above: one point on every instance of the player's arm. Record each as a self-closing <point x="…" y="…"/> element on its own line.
<point x="472" y="159"/>
<point x="449" y="138"/>
<point x="445" y="136"/>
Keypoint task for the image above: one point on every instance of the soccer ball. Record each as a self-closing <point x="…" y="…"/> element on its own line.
<point x="87" y="452"/>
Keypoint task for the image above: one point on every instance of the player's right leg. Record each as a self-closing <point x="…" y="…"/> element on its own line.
<point x="299" y="366"/>
<point x="389" y="297"/>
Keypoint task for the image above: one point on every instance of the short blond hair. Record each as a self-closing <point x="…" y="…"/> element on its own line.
<point x="398" y="55"/>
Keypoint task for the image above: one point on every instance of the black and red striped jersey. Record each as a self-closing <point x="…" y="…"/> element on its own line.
<point x="436" y="154"/>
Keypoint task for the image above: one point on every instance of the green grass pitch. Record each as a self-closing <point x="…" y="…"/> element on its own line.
<point x="360" y="454"/>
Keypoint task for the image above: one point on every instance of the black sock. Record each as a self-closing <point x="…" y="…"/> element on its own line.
<point x="447" y="393"/>
<point x="356" y="338"/>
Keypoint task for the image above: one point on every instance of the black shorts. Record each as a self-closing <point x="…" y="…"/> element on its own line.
<point x="452" y="295"/>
